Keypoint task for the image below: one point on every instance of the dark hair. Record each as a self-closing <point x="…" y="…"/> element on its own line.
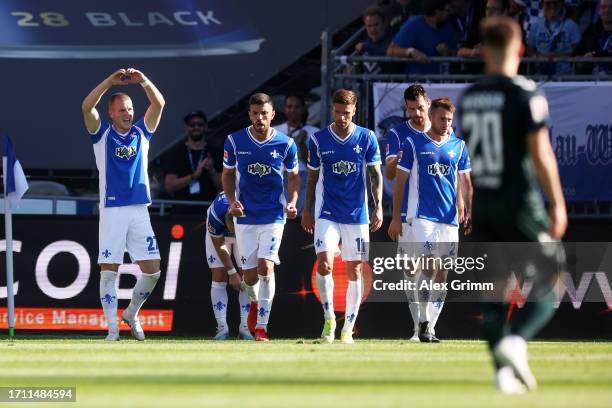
<point x="413" y="92"/>
<point x="195" y="114"/>
<point x="431" y="6"/>
<point x="505" y="4"/>
<point x="443" y="102"/>
<point x="296" y="96"/>
<point x="375" y="11"/>
<point x="499" y="32"/>
<point x="260" y="99"/>
<point x="118" y="95"/>
<point x="345" y="97"/>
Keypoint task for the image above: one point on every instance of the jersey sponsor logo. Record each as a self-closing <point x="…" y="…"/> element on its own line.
<point x="427" y="152"/>
<point x="438" y="169"/>
<point x="243" y="152"/>
<point x="212" y="229"/>
<point x="258" y="169"/>
<point x="357" y="149"/>
<point x="344" y="167"/>
<point x="126" y="152"/>
<point x="327" y="152"/>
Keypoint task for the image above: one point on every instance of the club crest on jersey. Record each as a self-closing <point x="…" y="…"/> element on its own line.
<point x="344" y="167"/>
<point x="274" y="154"/>
<point x="126" y="152"/>
<point x="212" y="229"/>
<point x="225" y="155"/>
<point x="438" y="169"/>
<point x="357" y="149"/>
<point x="258" y="169"/>
<point x="452" y="154"/>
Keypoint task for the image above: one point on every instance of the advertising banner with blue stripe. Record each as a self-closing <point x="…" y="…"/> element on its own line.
<point x="581" y="132"/>
<point x="201" y="54"/>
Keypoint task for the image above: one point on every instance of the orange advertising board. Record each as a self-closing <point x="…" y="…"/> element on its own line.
<point x="66" y="318"/>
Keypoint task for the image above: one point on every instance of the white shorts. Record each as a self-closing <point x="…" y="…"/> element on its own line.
<point x="433" y="238"/>
<point x="126" y="228"/>
<point x="258" y="241"/>
<point x="212" y="257"/>
<point x="354" y="237"/>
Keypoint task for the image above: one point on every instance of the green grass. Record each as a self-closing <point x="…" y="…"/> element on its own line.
<point x="173" y="373"/>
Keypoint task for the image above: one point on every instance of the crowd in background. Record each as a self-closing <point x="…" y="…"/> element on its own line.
<point x="421" y="29"/>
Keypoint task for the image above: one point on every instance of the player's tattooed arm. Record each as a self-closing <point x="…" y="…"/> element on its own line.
<point x="377" y="187"/>
<point x="88" y="107"/>
<point x="467" y="194"/>
<point x="228" y="179"/>
<point x="395" y="227"/>
<point x="307" y="217"/>
<point x="293" y="186"/>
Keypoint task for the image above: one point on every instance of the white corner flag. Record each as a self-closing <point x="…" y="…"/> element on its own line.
<point x="15" y="186"/>
<point x="15" y="183"/>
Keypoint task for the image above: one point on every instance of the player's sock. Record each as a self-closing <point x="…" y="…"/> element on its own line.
<point x="108" y="298"/>
<point x="252" y="291"/>
<point x="438" y="296"/>
<point x="325" y="283"/>
<point x="267" y="286"/>
<point x="353" y="301"/>
<point x="534" y="315"/>
<point x="218" y="298"/>
<point x="144" y="286"/>
<point x="413" y="304"/>
<point x="245" y="304"/>
<point x="494" y="324"/>
<point x="423" y="297"/>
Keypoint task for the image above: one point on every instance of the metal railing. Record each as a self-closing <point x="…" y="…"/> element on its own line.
<point x="157" y="207"/>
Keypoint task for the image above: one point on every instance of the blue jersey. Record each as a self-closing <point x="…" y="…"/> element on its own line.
<point x="396" y="137"/>
<point x="434" y="169"/>
<point x="341" y="189"/>
<point x="215" y="217"/>
<point x="122" y="163"/>
<point x="259" y="174"/>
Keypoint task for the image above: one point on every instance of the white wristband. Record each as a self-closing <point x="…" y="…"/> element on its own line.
<point x="231" y="272"/>
<point x="145" y="83"/>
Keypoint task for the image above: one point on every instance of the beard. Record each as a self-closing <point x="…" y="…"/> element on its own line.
<point x="197" y="137"/>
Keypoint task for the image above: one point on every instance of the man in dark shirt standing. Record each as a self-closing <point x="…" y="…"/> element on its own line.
<point x="194" y="167"/>
<point x="504" y="121"/>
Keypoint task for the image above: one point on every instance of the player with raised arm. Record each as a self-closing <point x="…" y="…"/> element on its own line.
<point x="121" y="150"/>
<point x="434" y="163"/>
<point x="220" y="246"/>
<point x="504" y="120"/>
<point x="339" y="157"/>
<point x="254" y="159"/>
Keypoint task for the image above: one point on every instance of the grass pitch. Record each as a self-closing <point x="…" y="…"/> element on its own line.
<point x="173" y="373"/>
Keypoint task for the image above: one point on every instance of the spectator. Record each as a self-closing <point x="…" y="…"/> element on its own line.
<point x="399" y="11"/>
<point x="425" y="36"/>
<point x="378" y="38"/>
<point x="296" y="128"/>
<point x="194" y="167"/>
<point x="471" y="47"/>
<point x="466" y="17"/>
<point x="554" y="35"/>
<point x="531" y="10"/>
<point x="597" y="40"/>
